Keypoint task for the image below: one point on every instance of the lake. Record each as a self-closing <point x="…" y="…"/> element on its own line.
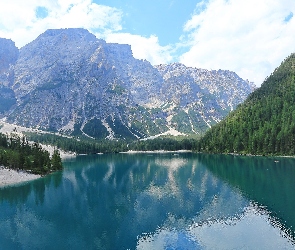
<point x="154" y="201"/>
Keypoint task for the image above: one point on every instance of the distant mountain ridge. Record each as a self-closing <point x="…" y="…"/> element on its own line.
<point x="264" y="123"/>
<point x="67" y="80"/>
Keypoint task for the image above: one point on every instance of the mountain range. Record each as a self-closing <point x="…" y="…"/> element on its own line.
<point x="69" y="81"/>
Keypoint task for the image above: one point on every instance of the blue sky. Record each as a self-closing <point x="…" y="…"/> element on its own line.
<point x="163" y="18"/>
<point x="249" y="37"/>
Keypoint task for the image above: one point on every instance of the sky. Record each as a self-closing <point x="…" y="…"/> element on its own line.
<point x="249" y="37"/>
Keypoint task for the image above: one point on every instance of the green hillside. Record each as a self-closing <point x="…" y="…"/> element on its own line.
<point x="264" y="123"/>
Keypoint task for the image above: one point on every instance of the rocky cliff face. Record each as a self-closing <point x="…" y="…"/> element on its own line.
<point x="8" y="57"/>
<point x="69" y="81"/>
<point x="8" y="54"/>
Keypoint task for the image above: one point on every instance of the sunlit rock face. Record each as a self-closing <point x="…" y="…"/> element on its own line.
<point x="8" y="56"/>
<point x="67" y="80"/>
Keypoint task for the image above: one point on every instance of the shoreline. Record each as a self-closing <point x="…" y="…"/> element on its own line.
<point x="156" y="151"/>
<point x="248" y="155"/>
<point x="10" y="177"/>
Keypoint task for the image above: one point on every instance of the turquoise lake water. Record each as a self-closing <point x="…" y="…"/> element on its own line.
<point x="154" y="201"/>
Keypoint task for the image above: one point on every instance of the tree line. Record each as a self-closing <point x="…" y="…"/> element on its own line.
<point x="89" y="146"/>
<point x="17" y="153"/>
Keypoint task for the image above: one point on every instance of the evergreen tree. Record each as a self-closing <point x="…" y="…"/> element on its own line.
<point x="17" y="153"/>
<point x="56" y="160"/>
<point x="264" y="123"/>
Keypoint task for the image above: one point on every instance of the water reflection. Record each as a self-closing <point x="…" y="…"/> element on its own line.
<point x="140" y="201"/>
<point x="267" y="180"/>
<point x="20" y="192"/>
<point x="250" y="230"/>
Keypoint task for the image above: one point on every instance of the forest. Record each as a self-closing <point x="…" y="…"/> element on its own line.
<point x="89" y="146"/>
<point x="264" y="124"/>
<point x="18" y="154"/>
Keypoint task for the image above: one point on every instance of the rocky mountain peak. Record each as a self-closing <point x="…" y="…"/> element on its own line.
<point x="72" y="34"/>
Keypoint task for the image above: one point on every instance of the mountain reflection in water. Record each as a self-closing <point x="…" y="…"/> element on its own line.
<point x="158" y="201"/>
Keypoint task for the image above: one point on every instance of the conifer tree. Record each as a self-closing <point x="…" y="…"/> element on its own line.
<point x="56" y="160"/>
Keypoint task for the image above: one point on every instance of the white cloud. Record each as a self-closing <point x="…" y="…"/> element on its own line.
<point x="249" y="37"/>
<point x="143" y="48"/>
<point x="19" y="20"/>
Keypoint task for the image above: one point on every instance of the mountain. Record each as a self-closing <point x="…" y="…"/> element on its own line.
<point x="69" y="81"/>
<point x="264" y="123"/>
<point x="8" y="57"/>
<point x="8" y="54"/>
